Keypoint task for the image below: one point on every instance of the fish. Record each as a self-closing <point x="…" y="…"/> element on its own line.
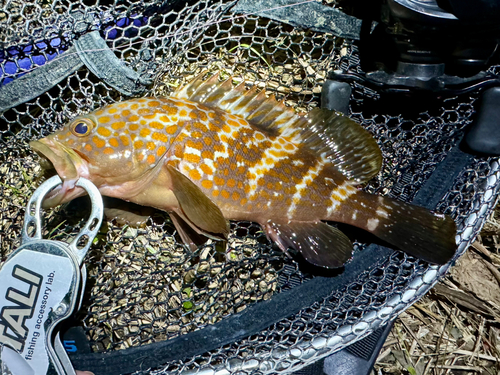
<point x="212" y="152"/>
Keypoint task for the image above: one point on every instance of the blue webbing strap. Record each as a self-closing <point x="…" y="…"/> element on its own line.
<point x="90" y="49"/>
<point x="40" y="80"/>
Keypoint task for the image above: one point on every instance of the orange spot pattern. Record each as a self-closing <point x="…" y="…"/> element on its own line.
<point x="207" y="184"/>
<point x="118" y="125"/>
<point x="209" y="132"/>
<point x="113" y="142"/>
<point x="105" y="132"/>
<point x="192" y="158"/>
<point x="103" y="119"/>
<point x="219" y="181"/>
<point x="170" y="110"/>
<point x="160" y="137"/>
<point x="144" y="132"/>
<point x="161" y="150"/>
<point x="171" y="129"/>
<point x="124" y="140"/>
<point x="98" y="141"/>
<point x="194" y="174"/>
<point x="194" y="144"/>
<point x="156" y="125"/>
<point x="153" y="103"/>
<point x="206" y="169"/>
<point x="206" y="154"/>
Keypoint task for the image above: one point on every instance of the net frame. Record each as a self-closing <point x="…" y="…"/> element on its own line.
<point x="205" y="35"/>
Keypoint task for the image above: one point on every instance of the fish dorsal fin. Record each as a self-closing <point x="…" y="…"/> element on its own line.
<point x="349" y="147"/>
<point x="265" y="113"/>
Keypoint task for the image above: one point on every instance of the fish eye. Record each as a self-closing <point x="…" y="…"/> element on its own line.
<point x="81" y="127"/>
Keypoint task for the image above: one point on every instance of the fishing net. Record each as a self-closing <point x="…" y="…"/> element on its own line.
<point x="144" y="287"/>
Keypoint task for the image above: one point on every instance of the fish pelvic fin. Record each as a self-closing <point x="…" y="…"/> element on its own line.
<point x="415" y="230"/>
<point x="348" y="146"/>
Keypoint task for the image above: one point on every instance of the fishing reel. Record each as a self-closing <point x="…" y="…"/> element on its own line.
<point x="421" y="49"/>
<point x="433" y="38"/>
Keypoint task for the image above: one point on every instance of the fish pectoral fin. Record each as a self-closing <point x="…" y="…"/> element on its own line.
<point x="318" y="242"/>
<point x="197" y="209"/>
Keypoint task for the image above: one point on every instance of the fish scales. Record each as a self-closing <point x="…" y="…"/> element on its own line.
<point x="219" y="151"/>
<point x="210" y="153"/>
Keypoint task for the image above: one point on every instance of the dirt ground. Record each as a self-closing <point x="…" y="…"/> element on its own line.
<point x="455" y="329"/>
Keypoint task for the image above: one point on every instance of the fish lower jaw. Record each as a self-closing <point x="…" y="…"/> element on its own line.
<point x="63" y="193"/>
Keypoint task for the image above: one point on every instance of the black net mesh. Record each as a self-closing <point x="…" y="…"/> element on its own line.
<point x="144" y="286"/>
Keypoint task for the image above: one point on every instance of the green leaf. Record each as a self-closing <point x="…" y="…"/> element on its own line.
<point x="188" y="305"/>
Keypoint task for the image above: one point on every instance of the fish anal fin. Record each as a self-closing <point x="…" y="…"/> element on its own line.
<point x="318" y="242"/>
<point x="197" y="208"/>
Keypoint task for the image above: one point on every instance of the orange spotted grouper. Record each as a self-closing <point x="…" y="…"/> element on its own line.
<point x="212" y="153"/>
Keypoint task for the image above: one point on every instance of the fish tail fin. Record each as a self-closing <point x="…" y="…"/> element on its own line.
<point x="412" y="229"/>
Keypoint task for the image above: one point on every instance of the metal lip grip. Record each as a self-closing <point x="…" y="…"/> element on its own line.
<point x="41" y="284"/>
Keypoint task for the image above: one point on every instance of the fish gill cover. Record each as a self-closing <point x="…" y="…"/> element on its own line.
<point x="144" y="286"/>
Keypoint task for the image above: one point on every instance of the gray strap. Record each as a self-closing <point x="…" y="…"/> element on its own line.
<point x="90" y="49"/>
<point x="40" y="80"/>
<point x="312" y="15"/>
<point x="101" y="61"/>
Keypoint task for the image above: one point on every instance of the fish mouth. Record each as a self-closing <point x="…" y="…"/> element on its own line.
<point x="66" y="162"/>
